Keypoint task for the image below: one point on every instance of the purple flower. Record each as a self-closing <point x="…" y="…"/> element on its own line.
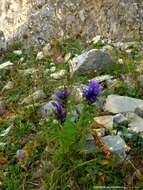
<point x="59" y="111"/>
<point x="59" y="59"/>
<point x="62" y="94"/>
<point x="92" y="91"/>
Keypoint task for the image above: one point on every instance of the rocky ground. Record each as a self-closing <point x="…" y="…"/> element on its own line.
<point x="71" y="115"/>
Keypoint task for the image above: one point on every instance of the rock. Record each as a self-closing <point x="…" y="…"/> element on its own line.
<point x="2" y="107"/>
<point x="139" y="111"/>
<point x="99" y="103"/>
<point x="111" y="82"/>
<point x="82" y="15"/>
<point x="121" y="104"/>
<point x="76" y="113"/>
<point x="6" y="65"/>
<point x="47" y="50"/>
<point x="58" y="75"/>
<point x="3" y="44"/>
<point x="96" y="39"/>
<point x="40" y="56"/>
<point x="8" y="86"/>
<point x="116" y="144"/>
<point x="89" y="137"/>
<point x="27" y="72"/>
<point x="6" y="131"/>
<point x="104" y="121"/>
<point x="103" y="78"/>
<point x="90" y="144"/>
<point x="107" y="48"/>
<point x="77" y="92"/>
<point x="46" y="109"/>
<point x="120" y="119"/>
<point x="90" y="61"/>
<point x="100" y="132"/>
<point x="17" y="52"/>
<point x="39" y="94"/>
<point x="135" y="122"/>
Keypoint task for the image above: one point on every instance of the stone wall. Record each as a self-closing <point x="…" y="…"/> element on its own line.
<point x="36" y="21"/>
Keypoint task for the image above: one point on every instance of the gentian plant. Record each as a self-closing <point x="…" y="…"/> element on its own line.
<point x="92" y="91"/>
<point x="62" y="94"/>
<point x="59" y="111"/>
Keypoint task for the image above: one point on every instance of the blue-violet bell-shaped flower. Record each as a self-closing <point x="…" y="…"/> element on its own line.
<point x="62" y="94"/>
<point x="92" y="91"/>
<point x="59" y="111"/>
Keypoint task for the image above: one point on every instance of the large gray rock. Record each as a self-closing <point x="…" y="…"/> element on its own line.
<point x="116" y="144"/>
<point x="36" y="22"/>
<point x="121" y="104"/>
<point x="90" y="61"/>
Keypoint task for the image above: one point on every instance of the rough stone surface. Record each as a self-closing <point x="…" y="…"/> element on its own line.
<point x="27" y="72"/>
<point x="6" y="65"/>
<point x="40" y="55"/>
<point x="77" y="92"/>
<point x="120" y="119"/>
<point x="90" y="146"/>
<point x="36" y="21"/>
<point x="6" y="131"/>
<point x="3" y="44"/>
<point x="116" y="144"/>
<point x="104" y="121"/>
<point x="46" y="109"/>
<point x="103" y="78"/>
<point x="90" y="61"/>
<point x="119" y="104"/>
<point x="37" y="95"/>
<point x="139" y="111"/>
<point x="58" y="75"/>
<point x="135" y="122"/>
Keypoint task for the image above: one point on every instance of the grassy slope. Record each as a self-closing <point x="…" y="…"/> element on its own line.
<point x="56" y="158"/>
